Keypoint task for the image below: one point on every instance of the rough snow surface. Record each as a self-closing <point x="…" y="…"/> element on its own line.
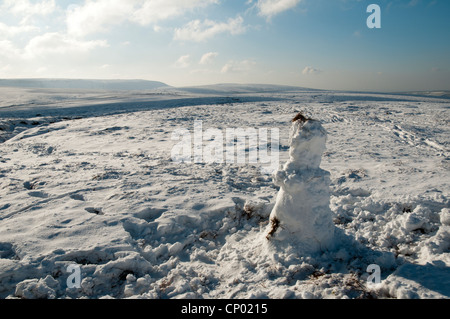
<point x="87" y="179"/>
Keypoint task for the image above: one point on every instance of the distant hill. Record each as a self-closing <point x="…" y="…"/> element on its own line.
<point x="83" y="84"/>
<point x="242" y="88"/>
<point x="440" y="94"/>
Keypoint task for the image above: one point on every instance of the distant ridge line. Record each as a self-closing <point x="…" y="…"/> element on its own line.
<point x="83" y="84"/>
<point x="243" y="88"/>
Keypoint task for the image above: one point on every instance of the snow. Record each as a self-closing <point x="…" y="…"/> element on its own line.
<point x="87" y="178"/>
<point x="302" y="213"/>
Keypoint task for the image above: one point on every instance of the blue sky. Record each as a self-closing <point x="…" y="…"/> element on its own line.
<point x="309" y="43"/>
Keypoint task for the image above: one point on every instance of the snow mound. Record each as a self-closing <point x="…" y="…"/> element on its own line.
<point x="302" y="210"/>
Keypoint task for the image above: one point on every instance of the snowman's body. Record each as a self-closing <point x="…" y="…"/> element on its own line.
<point x="302" y="213"/>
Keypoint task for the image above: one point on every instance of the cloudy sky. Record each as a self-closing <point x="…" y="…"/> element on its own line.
<point x="309" y="43"/>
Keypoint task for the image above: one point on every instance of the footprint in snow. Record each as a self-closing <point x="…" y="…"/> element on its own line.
<point x="198" y="206"/>
<point x="38" y="194"/>
<point x="77" y="197"/>
<point x="29" y="185"/>
<point x="96" y="211"/>
<point x="150" y="214"/>
<point x="6" y="206"/>
<point x="7" y="251"/>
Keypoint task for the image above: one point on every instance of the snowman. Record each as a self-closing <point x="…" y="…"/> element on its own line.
<point x="302" y="215"/>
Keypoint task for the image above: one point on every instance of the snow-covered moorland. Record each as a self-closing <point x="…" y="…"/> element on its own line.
<point x="87" y="179"/>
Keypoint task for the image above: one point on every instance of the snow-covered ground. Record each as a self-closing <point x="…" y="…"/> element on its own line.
<point x="87" y="179"/>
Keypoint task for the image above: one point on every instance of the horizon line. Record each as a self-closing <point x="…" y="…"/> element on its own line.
<point x="214" y="84"/>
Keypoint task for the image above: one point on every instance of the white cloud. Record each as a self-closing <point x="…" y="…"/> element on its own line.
<point x="151" y="11"/>
<point x="270" y="8"/>
<point x="5" y="69"/>
<point x="42" y="70"/>
<point x="199" y="31"/>
<point x="7" y="31"/>
<point x="238" y="66"/>
<point x="208" y="57"/>
<point x="310" y="70"/>
<point x="99" y="15"/>
<point x="8" y="49"/>
<point x="183" y="62"/>
<point x="357" y="34"/>
<point x="27" y="9"/>
<point x="56" y="43"/>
